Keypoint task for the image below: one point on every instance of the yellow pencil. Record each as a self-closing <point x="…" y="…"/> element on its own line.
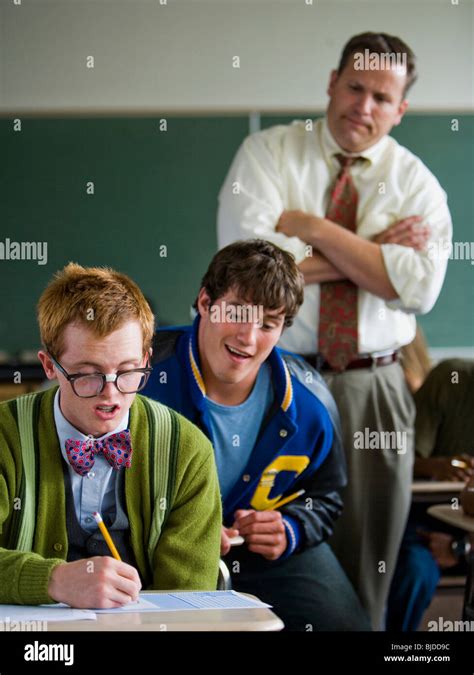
<point x="459" y="463"/>
<point x="285" y="500"/>
<point x="106" y="535"/>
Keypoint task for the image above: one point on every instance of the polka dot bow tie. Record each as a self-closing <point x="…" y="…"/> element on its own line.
<point x="116" y="448"/>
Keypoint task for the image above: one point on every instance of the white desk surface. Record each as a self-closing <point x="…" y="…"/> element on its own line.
<point x="260" y="619"/>
<point x="440" y="486"/>
<point x="455" y="517"/>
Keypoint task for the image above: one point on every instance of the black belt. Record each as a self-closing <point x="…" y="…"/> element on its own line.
<point x="319" y="362"/>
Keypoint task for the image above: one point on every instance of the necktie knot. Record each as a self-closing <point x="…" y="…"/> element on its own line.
<point x="346" y="162"/>
<point x="116" y="449"/>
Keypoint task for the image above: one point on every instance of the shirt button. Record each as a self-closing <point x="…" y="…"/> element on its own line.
<point x="283" y="433"/>
<point x="58" y="547"/>
<point x="246" y="477"/>
<point x="88" y="519"/>
<point x="91" y="475"/>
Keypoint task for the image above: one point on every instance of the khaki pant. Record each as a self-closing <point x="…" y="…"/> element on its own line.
<point x="372" y="403"/>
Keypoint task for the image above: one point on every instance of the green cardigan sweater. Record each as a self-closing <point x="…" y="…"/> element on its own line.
<point x="171" y="494"/>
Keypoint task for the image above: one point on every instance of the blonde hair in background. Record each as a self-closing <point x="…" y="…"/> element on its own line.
<point x="415" y="361"/>
<point x="97" y="297"/>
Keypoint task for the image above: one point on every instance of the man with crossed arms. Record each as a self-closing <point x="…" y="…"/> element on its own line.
<point x="359" y="213"/>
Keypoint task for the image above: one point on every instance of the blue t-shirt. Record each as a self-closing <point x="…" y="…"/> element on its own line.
<point x="235" y="429"/>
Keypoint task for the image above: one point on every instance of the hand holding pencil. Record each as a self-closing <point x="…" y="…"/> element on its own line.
<point x="264" y="531"/>
<point x="95" y="583"/>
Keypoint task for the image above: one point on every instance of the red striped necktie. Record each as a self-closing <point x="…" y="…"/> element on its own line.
<point x="338" y="334"/>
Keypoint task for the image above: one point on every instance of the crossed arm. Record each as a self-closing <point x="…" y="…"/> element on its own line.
<point x="331" y="243"/>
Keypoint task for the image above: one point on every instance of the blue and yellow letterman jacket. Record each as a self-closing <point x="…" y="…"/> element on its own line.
<point x="299" y="445"/>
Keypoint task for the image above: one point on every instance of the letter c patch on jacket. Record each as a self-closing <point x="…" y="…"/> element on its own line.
<point x="294" y="463"/>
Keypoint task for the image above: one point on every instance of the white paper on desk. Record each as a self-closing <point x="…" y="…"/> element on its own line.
<point x="187" y="600"/>
<point x="17" y="613"/>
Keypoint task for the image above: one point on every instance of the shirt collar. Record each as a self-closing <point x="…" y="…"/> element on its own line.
<point x="332" y="148"/>
<point x="65" y="429"/>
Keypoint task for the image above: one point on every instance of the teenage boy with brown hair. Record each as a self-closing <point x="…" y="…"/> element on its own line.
<point x="275" y="431"/>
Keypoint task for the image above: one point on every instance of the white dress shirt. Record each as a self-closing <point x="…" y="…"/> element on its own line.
<point x="96" y="491"/>
<point x="289" y="167"/>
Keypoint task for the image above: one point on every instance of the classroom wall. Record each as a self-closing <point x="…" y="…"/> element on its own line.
<point x="178" y="54"/>
<point x="152" y="212"/>
<point x="153" y="207"/>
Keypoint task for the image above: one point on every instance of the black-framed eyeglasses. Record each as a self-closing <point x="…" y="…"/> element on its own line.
<point x="90" y="385"/>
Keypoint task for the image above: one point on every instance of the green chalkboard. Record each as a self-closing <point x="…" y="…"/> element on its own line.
<point x="152" y="189"/>
<point x="450" y="156"/>
<point x="156" y="188"/>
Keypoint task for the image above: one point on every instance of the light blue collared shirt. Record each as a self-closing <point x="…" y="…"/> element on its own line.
<point x="96" y="491"/>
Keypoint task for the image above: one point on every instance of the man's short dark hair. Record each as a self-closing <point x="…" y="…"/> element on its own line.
<point x="260" y="273"/>
<point x="380" y="43"/>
